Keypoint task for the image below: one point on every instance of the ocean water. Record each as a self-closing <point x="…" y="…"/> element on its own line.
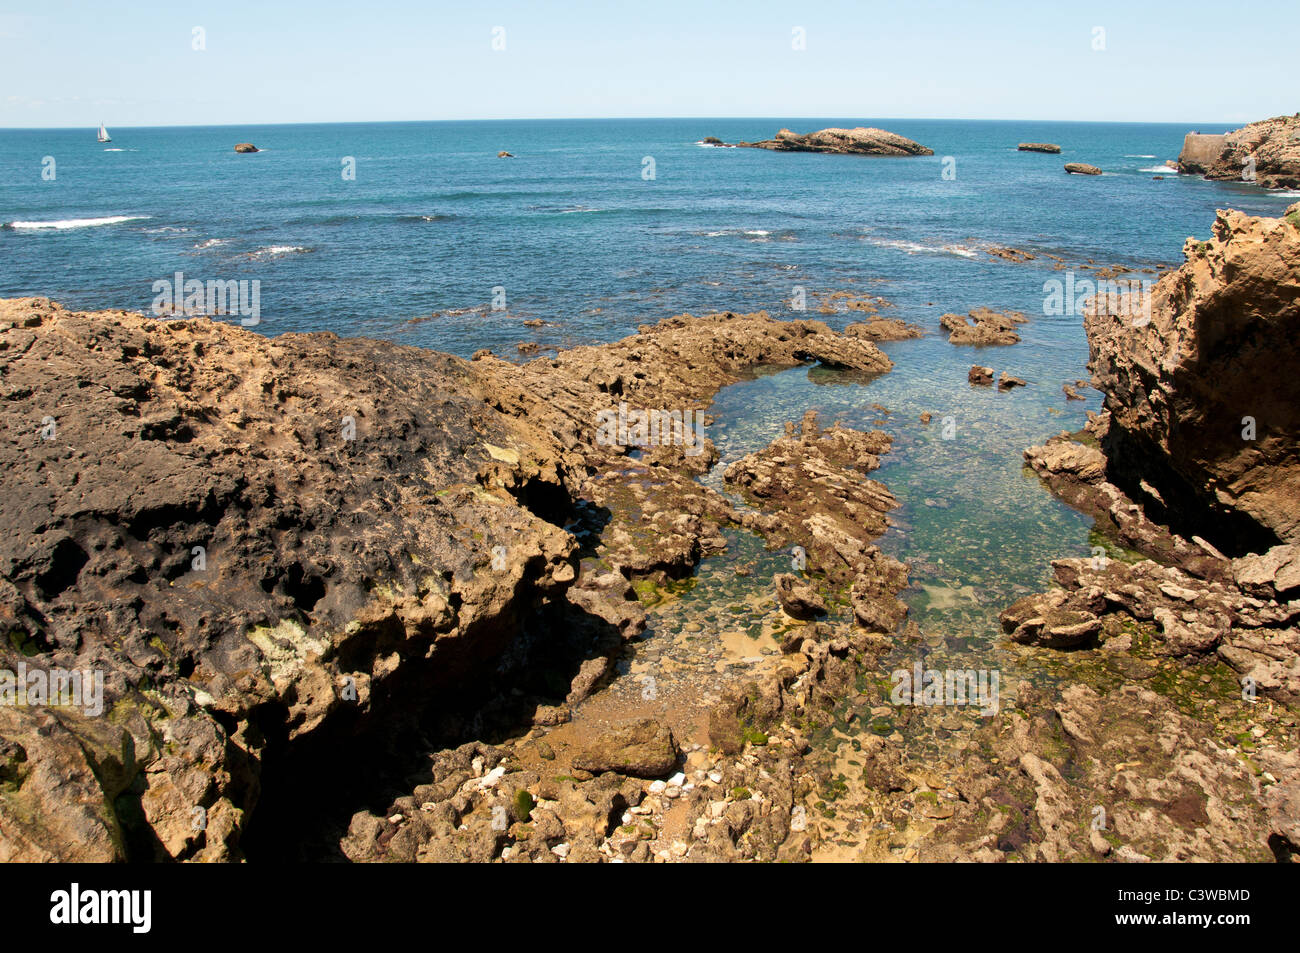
<point x="577" y="232"/>
<point x="572" y="229"/>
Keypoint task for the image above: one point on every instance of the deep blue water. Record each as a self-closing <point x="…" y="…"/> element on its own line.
<point x="570" y="228"/>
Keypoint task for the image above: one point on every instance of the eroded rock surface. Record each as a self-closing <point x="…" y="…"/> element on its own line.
<point x="1193" y="434"/>
<point x="861" y="140"/>
<point x="983" y="327"/>
<point x="1265" y="152"/>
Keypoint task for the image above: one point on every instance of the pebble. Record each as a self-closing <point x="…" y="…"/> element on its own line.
<point x="672" y="791"/>
<point x="678" y="779"/>
<point x="657" y="787"/>
<point x="395" y="819"/>
<point x="560" y="850"/>
<point x="492" y="777"/>
<point x="715" y="777"/>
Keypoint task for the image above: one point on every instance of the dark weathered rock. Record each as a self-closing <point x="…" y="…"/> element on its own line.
<point x="1081" y="168"/>
<point x="980" y="376"/>
<point x="246" y="147"/>
<point x="215" y="514"/>
<point x="1039" y="147"/>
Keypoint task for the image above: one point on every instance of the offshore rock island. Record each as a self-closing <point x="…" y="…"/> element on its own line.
<point x="863" y="140"/>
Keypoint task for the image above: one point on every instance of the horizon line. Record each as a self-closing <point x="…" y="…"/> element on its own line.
<point x="376" y="122"/>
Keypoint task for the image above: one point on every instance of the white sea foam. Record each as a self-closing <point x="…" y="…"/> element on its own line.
<point x="274" y="250"/>
<point x="754" y="233"/>
<point x="916" y="247"/>
<point x="1161" y="168"/>
<point x="1286" y="194"/>
<point x="1139" y="157"/>
<point x="212" y="243"/>
<point x="66" y="223"/>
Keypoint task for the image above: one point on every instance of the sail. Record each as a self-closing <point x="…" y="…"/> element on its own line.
<point x="103" y="134"/>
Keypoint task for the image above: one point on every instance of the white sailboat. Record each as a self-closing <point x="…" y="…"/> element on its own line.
<point x="103" y="134"/>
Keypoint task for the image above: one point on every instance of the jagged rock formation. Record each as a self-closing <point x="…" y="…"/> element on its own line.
<point x="1203" y="399"/>
<point x="983" y="328"/>
<point x="814" y="484"/>
<point x="1048" y="147"/>
<point x="1081" y="168"/>
<point x="862" y="140"/>
<point x="268" y="547"/>
<point x="272" y="534"/>
<point x="1272" y="144"/>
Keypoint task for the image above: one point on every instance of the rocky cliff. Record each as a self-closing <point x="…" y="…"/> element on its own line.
<point x="1272" y="144"/>
<point x="1203" y="398"/>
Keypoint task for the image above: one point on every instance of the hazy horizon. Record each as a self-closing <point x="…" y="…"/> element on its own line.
<point x="73" y="64"/>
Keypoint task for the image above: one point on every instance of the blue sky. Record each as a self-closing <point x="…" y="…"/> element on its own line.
<point x="75" y="63"/>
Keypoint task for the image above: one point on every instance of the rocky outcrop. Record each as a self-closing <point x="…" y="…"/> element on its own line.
<point x="1265" y="152"/>
<point x="280" y="537"/>
<point x="1081" y="168"/>
<point x="865" y="141"/>
<point x="984" y="327"/>
<point x="271" y="547"/>
<point x="799" y="600"/>
<point x="814" y="484"/>
<point x="246" y="147"/>
<point x="1203" y="399"/>
<point x="1048" y="147"/>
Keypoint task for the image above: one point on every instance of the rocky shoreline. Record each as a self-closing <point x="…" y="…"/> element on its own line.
<point x="354" y="600"/>
<point x="1265" y="152"/>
